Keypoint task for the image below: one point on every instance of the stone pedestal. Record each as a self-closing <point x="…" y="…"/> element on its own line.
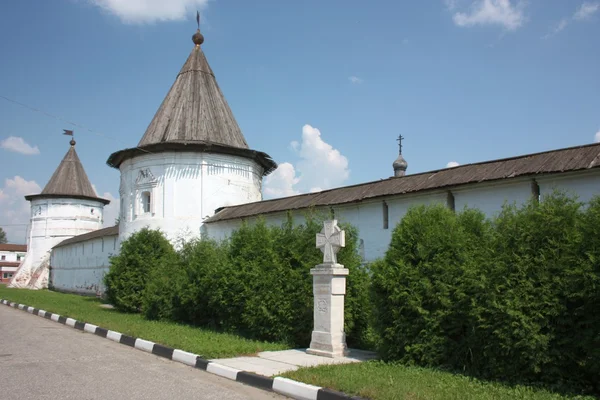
<point x="329" y="289"/>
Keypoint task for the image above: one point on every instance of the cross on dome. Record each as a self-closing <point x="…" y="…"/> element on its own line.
<point x="330" y="241"/>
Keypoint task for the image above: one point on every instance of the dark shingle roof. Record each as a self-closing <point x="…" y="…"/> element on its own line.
<point x="111" y="231"/>
<point x="562" y="160"/>
<point x="69" y="180"/>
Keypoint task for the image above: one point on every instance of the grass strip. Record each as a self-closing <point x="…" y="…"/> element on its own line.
<point x="205" y="342"/>
<point x="383" y="381"/>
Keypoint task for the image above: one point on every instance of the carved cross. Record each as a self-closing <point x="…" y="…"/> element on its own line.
<point x="330" y="241"/>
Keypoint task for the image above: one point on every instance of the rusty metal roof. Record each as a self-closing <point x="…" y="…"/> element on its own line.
<point x="13" y="247"/>
<point x="69" y="180"/>
<point x="111" y="231"/>
<point x="562" y="160"/>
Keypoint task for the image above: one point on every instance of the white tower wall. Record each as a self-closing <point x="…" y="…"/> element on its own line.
<point x="184" y="188"/>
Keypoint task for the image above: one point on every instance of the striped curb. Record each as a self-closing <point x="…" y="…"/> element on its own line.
<point x="284" y="386"/>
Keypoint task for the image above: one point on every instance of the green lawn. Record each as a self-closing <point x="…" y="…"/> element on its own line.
<point x="203" y="342"/>
<point x="381" y="381"/>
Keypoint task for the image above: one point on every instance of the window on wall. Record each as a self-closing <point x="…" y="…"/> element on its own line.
<point x="450" y="201"/>
<point x="19" y="257"/>
<point x="146" y="202"/>
<point x="386" y="216"/>
<point x="5" y="275"/>
<point x="3" y="257"/>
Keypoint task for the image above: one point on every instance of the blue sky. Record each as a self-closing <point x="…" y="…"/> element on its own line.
<point x="324" y="87"/>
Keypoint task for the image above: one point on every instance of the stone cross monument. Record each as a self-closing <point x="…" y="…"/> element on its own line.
<point x="329" y="288"/>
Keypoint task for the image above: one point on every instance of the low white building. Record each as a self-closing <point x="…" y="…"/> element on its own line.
<point x="11" y="256"/>
<point x="375" y="208"/>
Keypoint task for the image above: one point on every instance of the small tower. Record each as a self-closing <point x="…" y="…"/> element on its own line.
<point x="400" y="164"/>
<point x="68" y="206"/>
<point x="192" y="159"/>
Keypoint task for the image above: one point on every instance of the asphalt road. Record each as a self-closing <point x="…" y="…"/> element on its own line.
<point x="41" y="359"/>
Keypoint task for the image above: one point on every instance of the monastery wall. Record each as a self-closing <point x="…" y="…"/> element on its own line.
<point x="80" y="267"/>
<point x="370" y="216"/>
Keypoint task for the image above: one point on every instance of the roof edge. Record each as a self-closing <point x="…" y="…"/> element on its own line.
<point x="263" y="159"/>
<point x="98" y="233"/>
<point x="30" y="197"/>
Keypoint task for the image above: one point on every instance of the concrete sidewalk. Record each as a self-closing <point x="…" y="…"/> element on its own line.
<point x="271" y="363"/>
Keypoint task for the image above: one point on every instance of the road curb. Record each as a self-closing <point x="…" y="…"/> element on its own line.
<point x="284" y="386"/>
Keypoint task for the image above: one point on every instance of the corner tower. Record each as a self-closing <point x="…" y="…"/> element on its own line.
<point x="192" y="159"/>
<point x="68" y="206"/>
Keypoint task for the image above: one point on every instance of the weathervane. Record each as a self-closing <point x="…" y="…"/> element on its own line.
<point x="399" y="140"/>
<point x="70" y="133"/>
<point x="198" y="39"/>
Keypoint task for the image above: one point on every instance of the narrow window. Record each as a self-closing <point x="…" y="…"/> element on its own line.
<point x="386" y="216"/>
<point x="535" y="190"/>
<point x="4" y="257"/>
<point x="146" y="199"/>
<point x="450" y="201"/>
<point x="103" y="245"/>
<point x="6" y="275"/>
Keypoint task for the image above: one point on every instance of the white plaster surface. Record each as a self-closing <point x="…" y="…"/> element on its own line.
<point x="185" y="188"/>
<point x="52" y="221"/>
<point x="80" y="267"/>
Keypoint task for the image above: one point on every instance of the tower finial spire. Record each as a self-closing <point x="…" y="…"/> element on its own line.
<point x="198" y="38"/>
<point x="399" y="140"/>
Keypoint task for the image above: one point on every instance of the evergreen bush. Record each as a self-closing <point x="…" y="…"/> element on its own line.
<point x="142" y="253"/>
<point x="258" y="283"/>
<point x="514" y="298"/>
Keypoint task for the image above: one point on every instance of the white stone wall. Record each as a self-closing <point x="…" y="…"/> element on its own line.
<point x="368" y="216"/>
<point x="80" y="267"/>
<point x="185" y="189"/>
<point x="54" y="220"/>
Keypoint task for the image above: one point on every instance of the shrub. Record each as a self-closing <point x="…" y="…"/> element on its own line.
<point x="258" y="283"/>
<point x="422" y="289"/>
<point x="514" y="298"/>
<point x="142" y="253"/>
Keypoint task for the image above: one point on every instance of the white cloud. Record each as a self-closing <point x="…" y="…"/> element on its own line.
<point x="320" y="167"/>
<point x="19" y="145"/>
<point x="111" y="211"/>
<point x="597" y="137"/>
<point x="14" y="209"/>
<point x="144" y="11"/>
<point x="452" y="164"/>
<point x="586" y="10"/>
<point x="491" y="12"/>
<point x="281" y="182"/>
<point x="355" y="80"/>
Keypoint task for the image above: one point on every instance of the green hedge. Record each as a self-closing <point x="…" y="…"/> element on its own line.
<point x="515" y="298"/>
<point x="258" y="283"/>
<point x="141" y="254"/>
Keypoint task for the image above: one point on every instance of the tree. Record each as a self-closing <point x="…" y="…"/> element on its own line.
<point x="3" y="236"/>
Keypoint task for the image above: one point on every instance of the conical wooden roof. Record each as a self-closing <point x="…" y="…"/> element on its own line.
<point x="69" y="180"/>
<point x="194" y="117"/>
<point x="195" y="110"/>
